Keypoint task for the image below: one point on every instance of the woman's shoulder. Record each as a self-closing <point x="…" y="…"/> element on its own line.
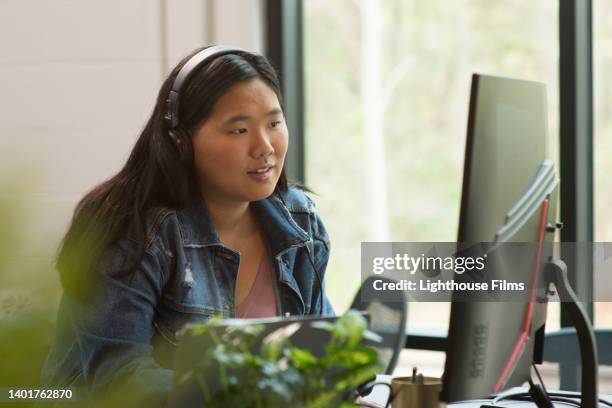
<point x="153" y="239"/>
<point x="161" y="224"/>
<point x="296" y="200"/>
<point x="301" y="205"/>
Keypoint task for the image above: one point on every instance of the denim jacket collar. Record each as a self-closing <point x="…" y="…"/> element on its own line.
<point x="279" y="227"/>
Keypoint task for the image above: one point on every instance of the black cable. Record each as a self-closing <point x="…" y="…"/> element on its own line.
<point x="539" y="395"/>
<point x="566" y="400"/>
<point x="564" y="394"/>
<point x="554" y="399"/>
<point x="560" y="396"/>
<point x="577" y="395"/>
<point x="391" y="396"/>
<point x="523" y="396"/>
<point x="539" y="378"/>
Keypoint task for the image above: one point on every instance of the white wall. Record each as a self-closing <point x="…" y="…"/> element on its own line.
<point x="79" y="79"/>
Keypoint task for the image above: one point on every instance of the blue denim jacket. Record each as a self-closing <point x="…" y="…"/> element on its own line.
<point x="126" y="333"/>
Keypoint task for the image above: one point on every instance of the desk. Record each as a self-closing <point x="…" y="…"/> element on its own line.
<point x="380" y="393"/>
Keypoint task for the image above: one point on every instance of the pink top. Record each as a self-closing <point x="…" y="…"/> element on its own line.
<point x="261" y="300"/>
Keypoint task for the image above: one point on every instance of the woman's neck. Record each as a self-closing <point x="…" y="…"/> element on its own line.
<point x="232" y="220"/>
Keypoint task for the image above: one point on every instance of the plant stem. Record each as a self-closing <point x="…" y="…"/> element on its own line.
<point x="203" y="386"/>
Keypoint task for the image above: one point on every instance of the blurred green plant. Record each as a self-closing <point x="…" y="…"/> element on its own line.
<point x="28" y="293"/>
<point x="281" y="374"/>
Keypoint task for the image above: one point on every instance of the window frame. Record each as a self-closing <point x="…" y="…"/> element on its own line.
<point x="285" y="49"/>
<point x="576" y="141"/>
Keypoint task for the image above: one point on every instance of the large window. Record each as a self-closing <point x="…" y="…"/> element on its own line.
<point x="602" y="135"/>
<point x="387" y="87"/>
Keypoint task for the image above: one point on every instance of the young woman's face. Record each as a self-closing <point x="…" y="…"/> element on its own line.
<point x="240" y="149"/>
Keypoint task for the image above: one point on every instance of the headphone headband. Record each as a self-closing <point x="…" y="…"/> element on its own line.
<point x="172" y="102"/>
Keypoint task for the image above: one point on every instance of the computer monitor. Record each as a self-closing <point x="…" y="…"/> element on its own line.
<point x="509" y="195"/>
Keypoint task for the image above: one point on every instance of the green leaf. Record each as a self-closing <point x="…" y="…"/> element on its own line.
<point x="301" y="359"/>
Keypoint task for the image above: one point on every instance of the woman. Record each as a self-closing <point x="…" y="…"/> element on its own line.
<point x="199" y="222"/>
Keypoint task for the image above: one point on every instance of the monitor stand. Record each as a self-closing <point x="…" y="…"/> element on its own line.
<point x="556" y="273"/>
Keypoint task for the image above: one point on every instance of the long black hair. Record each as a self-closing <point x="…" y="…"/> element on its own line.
<point x="158" y="172"/>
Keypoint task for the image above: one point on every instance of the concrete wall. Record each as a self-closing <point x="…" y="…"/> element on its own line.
<point x="78" y="79"/>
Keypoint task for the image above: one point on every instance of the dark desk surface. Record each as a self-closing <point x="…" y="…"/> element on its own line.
<point x="380" y="393"/>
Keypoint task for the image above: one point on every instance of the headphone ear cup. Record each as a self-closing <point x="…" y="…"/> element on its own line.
<point x="182" y="142"/>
